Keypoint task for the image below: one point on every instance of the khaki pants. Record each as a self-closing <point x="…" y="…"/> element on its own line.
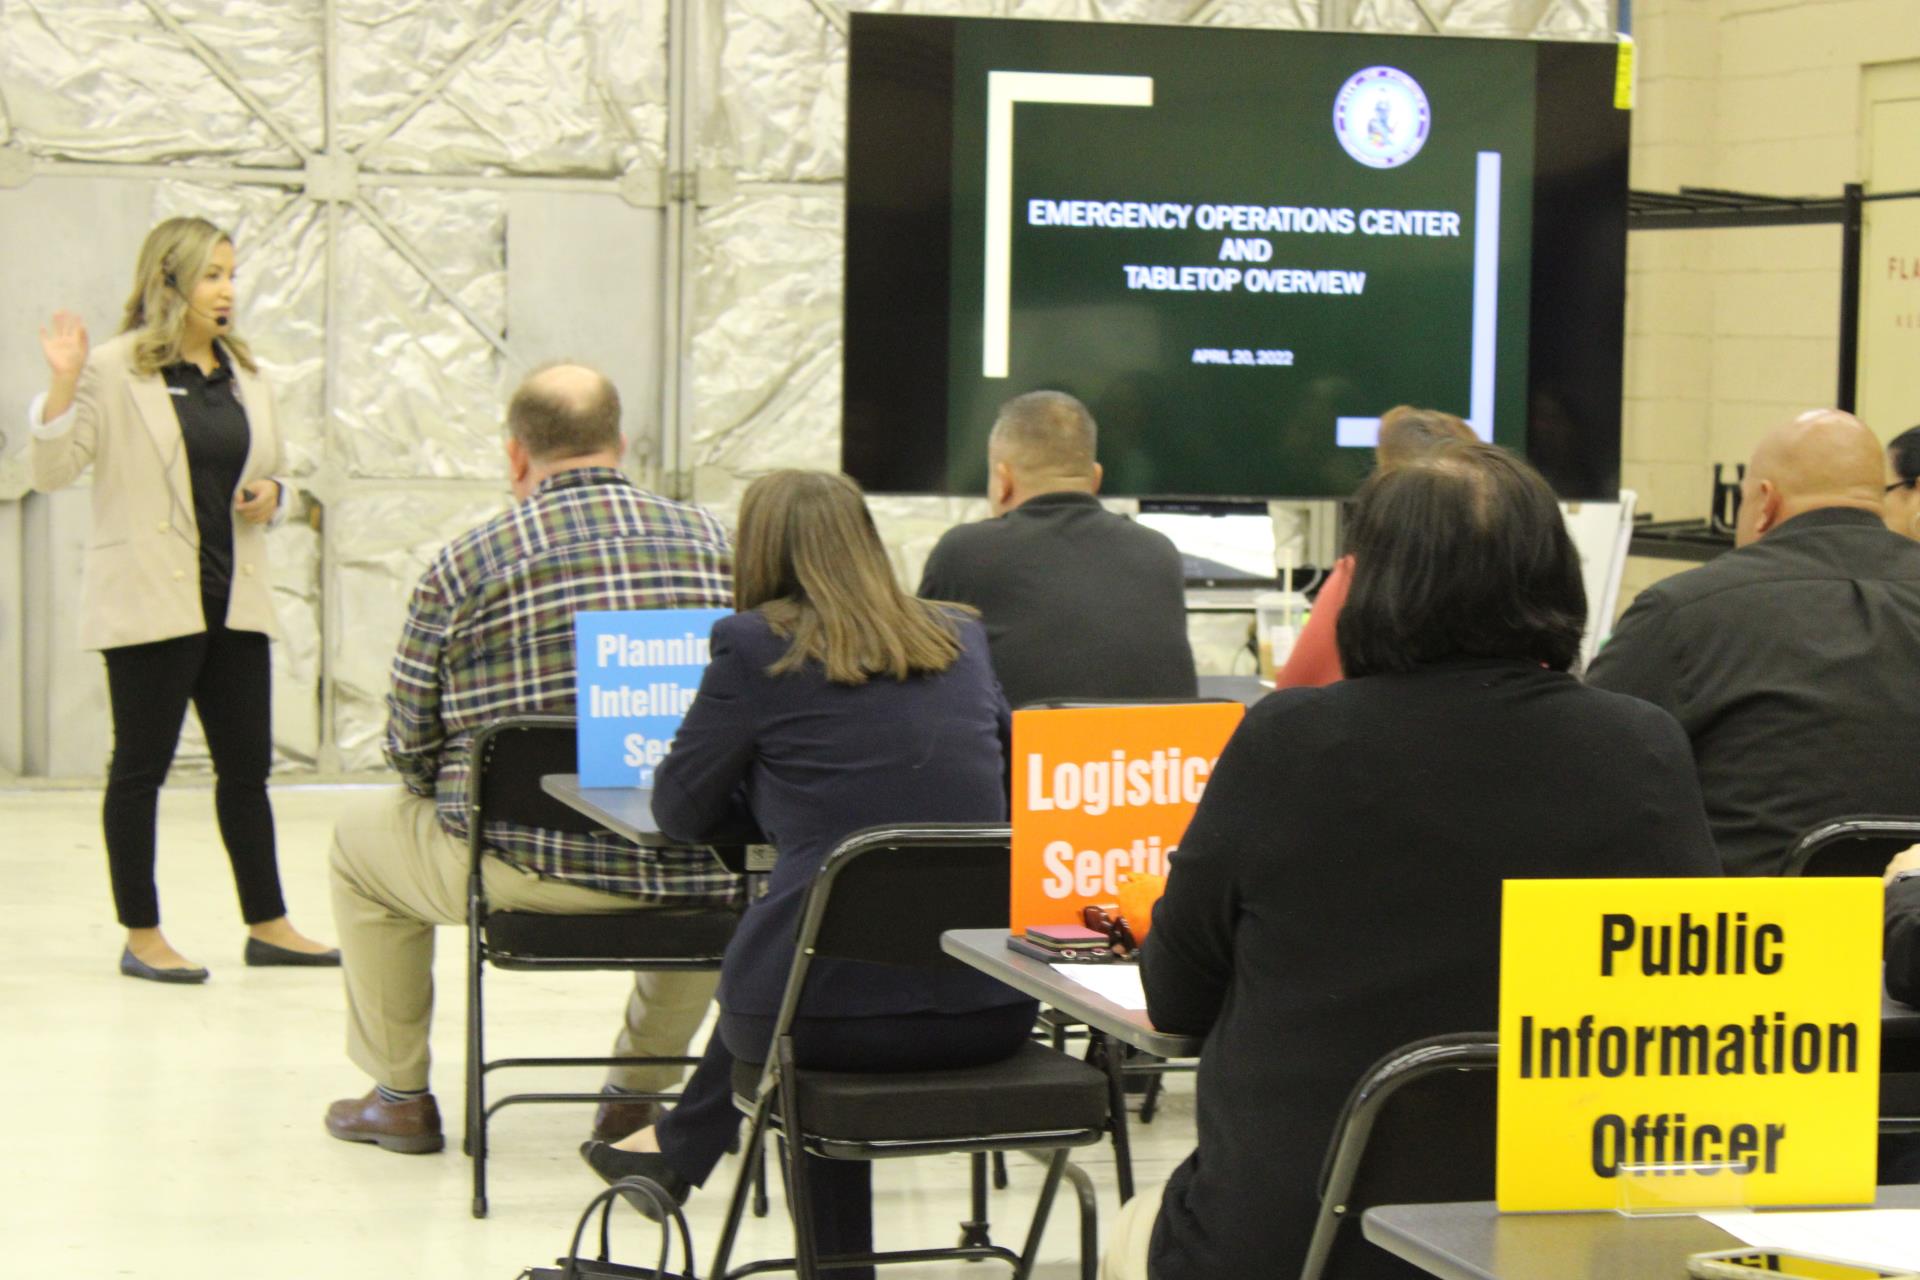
<point x="396" y="875"/>
<point x="1126" y="1257"/>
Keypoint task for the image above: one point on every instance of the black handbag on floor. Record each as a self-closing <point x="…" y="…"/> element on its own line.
<point x="575" y="1267"/>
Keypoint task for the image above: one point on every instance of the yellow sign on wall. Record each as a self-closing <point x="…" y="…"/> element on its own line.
<point x="1729" y="1025"/>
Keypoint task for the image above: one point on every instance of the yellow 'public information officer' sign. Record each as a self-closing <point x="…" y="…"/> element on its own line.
<point x="1730" y="1024"/>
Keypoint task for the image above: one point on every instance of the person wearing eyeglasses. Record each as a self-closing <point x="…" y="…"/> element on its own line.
<point x="177" y="425"/>
<point x="834" y="701"/>
<point x="1793" y="661"/>
<point x="1901" y="494"/>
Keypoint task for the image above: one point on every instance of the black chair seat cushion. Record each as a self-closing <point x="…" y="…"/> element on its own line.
<point x="1900" y="1095"/>
<point x="662" y="933"/>
<point x="1036" y="1090"/>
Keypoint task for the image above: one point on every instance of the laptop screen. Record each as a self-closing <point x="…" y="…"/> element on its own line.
<point x="1222" y="544"/>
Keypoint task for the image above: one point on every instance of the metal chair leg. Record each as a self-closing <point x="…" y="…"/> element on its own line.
<point x="760" y="1205"/>
<point x="476" y="1137"/>
<point x="974" y="1233"/>
<point x="999" y="1171"/>
<point x="806" y="1246"/>
<point x="1110" y="1054"/>
<point x="752" y="1155"/>
<point x="1089" y="1222"/>
<point x="1151" y="1103"/>
<point x="1055" y="1166"/>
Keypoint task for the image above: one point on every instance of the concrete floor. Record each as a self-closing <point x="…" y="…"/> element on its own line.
<point x="171" y="1133"/>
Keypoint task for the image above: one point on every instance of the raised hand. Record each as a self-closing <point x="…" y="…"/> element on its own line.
<point x="65" y="345"/>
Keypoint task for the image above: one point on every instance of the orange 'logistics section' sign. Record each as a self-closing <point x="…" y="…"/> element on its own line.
<point x="1099" y="792"/>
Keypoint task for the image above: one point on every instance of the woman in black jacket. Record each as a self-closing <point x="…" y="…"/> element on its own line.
<point x="1338" y="892"/>
<point x="834" y="701"/>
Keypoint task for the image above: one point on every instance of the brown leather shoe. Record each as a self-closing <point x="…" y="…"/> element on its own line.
<point x="616" y="1118"/>
<point x="411" y="1128"/>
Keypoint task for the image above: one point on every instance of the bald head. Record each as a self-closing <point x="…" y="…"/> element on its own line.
<point x="1823" y="458"/>
<point x="1042" y="442"/>
<point x="565" y="410"/>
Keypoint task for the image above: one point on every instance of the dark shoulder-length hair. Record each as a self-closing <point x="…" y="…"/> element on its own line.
<point x="810" y="560"/>
<point x="1904" y="450"/>
<point x="1461" y="553"/>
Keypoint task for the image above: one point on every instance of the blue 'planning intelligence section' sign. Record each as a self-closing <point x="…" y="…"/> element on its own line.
<point x="638" y="671"/>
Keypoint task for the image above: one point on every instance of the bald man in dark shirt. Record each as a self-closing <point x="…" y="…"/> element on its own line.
<point x="1793" y="662"/>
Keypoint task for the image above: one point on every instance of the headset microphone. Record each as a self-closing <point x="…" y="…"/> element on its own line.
<point x="219" y="321"/>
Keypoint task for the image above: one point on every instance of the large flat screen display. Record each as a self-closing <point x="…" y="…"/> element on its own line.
<point x="1238" y="247"/>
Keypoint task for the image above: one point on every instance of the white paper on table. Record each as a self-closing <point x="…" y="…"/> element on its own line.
<point x="1119" y="983"/>
<point x="1875" y="1237"/>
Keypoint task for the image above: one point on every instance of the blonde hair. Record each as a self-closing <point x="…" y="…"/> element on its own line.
<point x="172" y="260"/>
<point x="810" y="561"/>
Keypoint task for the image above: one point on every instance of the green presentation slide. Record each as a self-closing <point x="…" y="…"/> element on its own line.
<point x="1238" y="253"/>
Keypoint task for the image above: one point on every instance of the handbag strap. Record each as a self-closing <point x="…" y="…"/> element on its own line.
<point x="662" y="1202"/>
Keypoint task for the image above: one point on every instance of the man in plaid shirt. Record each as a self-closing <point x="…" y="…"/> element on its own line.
<point x="489" y="634"/>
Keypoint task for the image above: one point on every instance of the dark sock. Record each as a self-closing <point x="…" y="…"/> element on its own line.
<point x="399" y="1095"/>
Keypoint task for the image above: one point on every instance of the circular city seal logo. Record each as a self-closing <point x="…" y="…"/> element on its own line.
<point x="1381" y="117"/>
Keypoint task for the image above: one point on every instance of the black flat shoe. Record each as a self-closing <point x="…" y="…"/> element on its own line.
<point x="264" y="955"/>
<point x="613" y="1164"/>
<point x="134" y="967"/>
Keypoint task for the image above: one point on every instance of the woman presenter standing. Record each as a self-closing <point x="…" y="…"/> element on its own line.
<point x="178" y="426"/>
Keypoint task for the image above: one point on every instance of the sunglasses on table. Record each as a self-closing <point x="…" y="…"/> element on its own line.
<point x="1112" y="924"/>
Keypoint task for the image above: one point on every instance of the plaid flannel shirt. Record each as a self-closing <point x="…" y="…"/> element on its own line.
<point x="489" y="634"/>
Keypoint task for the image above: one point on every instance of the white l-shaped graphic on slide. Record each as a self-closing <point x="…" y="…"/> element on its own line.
<point x="1364" y="433"/>
<point x="1004" y="89"/>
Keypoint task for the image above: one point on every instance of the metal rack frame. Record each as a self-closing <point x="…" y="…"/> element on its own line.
<point x="1711" y="208"/>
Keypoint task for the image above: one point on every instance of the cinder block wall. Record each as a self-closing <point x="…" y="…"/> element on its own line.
<point x="1730" y="331"/>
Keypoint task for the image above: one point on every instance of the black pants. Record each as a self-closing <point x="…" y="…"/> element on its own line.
<point x="226" y="676"/>
<point x="695" y="1134"/>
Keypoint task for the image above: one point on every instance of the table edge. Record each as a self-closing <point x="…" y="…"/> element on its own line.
<point x="1111" y="1018"/>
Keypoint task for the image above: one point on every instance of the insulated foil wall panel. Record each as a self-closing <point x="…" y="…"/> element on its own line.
<point x="766" y="359"/>
<point x="105" y="80"/>
<point x="1558" y="20"/>
<point x="575" y="86"/>
<point x="293" y="554"/>
<point x="775" y="98"/>
<point x="416" y="392"/>
<point x="1259" y="13"/>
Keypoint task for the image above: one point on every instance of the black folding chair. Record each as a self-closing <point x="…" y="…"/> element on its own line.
<point x="1855" y="846"/>
<point x="885" y="896"/>
<point x="507" y="763"/>
<point x="1432" y="1144"/>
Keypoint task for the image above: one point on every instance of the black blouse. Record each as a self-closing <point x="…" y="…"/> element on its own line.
<point x="213" y="423"/>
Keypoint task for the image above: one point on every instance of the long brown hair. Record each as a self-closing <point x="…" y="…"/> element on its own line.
<point x="171" y="262"/>
<point x="810" y="560"/>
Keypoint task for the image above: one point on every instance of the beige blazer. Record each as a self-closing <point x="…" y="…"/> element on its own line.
<point x="143" y="556"/>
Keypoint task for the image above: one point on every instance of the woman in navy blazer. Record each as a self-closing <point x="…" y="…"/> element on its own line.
<point x="834" y="701"/>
